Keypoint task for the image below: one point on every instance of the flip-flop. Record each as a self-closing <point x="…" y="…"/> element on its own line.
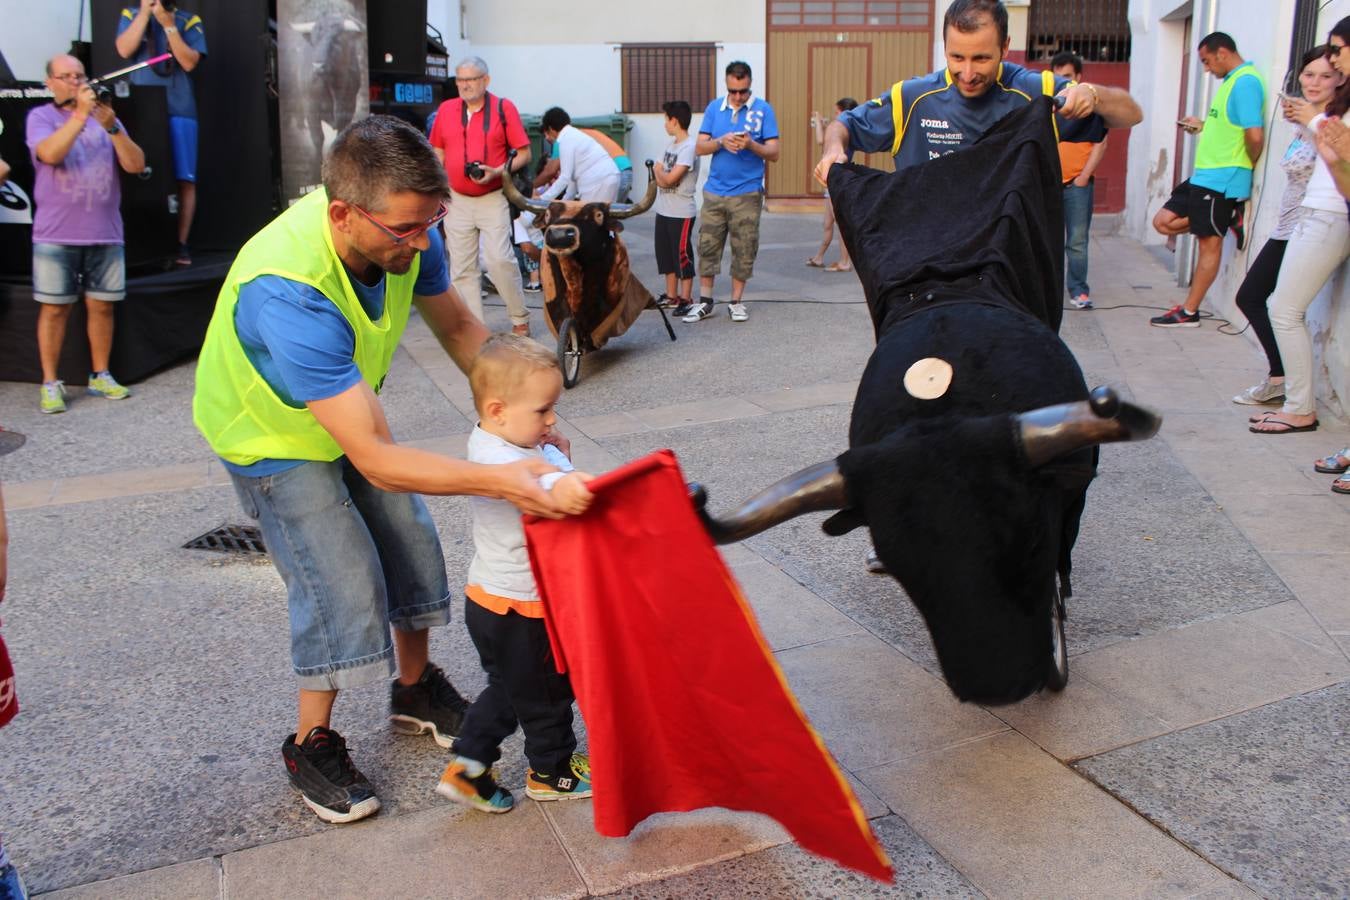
<point x="814" y="263"/>
<point x="835" y="267"/>
<point x="1341" y="485"/>
<point x="1262" y="416"/>
<point x="1328" y="465"/>
<point x="1285" y="428"/>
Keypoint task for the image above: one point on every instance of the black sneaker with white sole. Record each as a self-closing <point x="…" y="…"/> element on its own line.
<point x="431" y="705"/>
<point x="330" y="785"/>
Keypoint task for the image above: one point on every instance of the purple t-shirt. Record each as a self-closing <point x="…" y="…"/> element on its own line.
<point x="79" y="201"/>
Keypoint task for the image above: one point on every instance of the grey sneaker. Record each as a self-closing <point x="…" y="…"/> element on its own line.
<point x="738" y="312"/>
<point x="1263" y="394"/>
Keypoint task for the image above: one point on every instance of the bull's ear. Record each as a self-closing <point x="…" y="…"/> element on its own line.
<point x="599" y="213"/>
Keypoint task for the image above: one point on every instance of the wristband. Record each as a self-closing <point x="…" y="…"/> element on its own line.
<point x="1096" y="100"/>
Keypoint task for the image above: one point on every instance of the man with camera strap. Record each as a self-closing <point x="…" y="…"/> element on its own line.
<point x="472" y="136"/>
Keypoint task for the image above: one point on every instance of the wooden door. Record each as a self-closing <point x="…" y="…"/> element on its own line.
<point x="833" y="71"/>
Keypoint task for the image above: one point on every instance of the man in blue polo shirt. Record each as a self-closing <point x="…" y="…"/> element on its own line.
<point x="155" y="28"/>
<point x="927" y="117"/>
<point x="740" y="132"/>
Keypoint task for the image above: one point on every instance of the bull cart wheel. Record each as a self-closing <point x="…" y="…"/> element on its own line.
<point x="1059" y="651"/>
<point x="569" y="352"/>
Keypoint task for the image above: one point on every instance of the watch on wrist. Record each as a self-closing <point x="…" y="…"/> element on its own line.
<point x="114" y="129"/>
<point x="171" y="30"/>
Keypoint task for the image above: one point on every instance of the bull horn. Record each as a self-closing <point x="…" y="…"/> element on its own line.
<point x="514" y="195"/>
<point x="1053" y="431"/>
<point x="628" y="210"/>
<point x="303" y="27"/>
<point x="351" y="25"/>
<point x="813" y="489"/>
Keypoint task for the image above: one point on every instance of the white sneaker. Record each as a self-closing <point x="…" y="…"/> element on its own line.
<point x="699" y="312"/>
<point x="1261" y="394"/>
<point x="1082" y="301"/>
<point x="738" y="312"/>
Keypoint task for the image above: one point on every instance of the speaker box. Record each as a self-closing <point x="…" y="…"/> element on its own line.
<point x="398" y="36"/>
<point x="149" y="199"/>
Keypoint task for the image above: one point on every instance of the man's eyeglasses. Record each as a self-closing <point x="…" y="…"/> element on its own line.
<point x="459" y="80"/>
<point x="399" y="237"/>
<point x="745" y="92"/>
<point x="73" y="77"/>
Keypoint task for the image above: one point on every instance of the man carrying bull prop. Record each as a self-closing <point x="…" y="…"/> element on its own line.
<point x="924" y="118"/>
<point x="969" y="375"/>
<point x="302" y="337"/>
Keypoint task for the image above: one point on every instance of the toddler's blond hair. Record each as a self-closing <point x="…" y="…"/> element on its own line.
<point x="502" y="365"/>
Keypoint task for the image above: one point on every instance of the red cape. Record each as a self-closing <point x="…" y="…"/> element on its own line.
<point x="685" y="706"/>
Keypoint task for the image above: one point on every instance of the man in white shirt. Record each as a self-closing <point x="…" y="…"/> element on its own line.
<point x="586" y="170"/>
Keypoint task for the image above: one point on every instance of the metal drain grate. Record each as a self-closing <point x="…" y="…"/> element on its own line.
<point x="229" y="539"/>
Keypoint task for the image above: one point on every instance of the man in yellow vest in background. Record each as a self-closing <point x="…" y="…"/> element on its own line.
<point x="287" y="388"/>
<point x="1231" y="140"/>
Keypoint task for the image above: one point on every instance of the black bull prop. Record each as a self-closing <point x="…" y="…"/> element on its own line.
<point x="973" y="436"/>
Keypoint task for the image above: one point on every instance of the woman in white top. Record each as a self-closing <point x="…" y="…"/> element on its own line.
<point x="1318" y="246"/>
<point x="1319" y="80"/>
<point x="586" y="171"/>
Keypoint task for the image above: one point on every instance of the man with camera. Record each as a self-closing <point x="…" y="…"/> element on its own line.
<point x="155" y="28"/>
<point x="471" y="137"/>
<point x="77" y="146"/>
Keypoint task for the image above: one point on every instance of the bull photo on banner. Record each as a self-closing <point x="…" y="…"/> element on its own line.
<point x="322" y="58"/>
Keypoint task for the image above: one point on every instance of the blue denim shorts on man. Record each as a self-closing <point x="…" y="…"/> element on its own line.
<point x="355" y="559"/>
<point x="61" y="272"/>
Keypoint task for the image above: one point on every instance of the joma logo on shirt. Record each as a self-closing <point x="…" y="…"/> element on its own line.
<point x="933" y="123"/>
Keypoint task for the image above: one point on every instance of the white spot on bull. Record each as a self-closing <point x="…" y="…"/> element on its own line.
<point x="929" y="378"/>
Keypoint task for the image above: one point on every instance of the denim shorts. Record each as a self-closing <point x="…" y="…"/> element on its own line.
<point x="355" y="560"/>
<point x="61" y="272"/>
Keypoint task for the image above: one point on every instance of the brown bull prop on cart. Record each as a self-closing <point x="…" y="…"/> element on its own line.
<point x="590" y="294"/>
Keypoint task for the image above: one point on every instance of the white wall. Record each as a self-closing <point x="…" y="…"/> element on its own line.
<point x="1262" y="30"/>
<point x="33" y="32"/>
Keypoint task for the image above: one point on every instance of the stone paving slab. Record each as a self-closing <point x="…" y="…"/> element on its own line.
<point x="196" y="880"/>
<point x="789" y="871"/>
<point x="1018" y="823"/>
<point x="1262" y="794"/>
<point x="451" y="852"/>
<point x="1212" y="669"/>
<point x="864" y="699"/>
<point x="661" y="846"/>
<point x="789" y="614"/>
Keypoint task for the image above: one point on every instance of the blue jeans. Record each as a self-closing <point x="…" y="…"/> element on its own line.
<point x="355" y="560"/>
<point x="1077" y="222"/>
<point x="61" y="270"/>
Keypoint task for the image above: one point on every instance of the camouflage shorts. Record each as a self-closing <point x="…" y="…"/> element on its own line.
<point x="738" y="215"/>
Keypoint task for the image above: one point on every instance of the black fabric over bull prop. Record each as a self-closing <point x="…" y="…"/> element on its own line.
<point x="973" y="436"/>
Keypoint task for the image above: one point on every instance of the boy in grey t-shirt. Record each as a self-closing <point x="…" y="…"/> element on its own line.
<point x="676" y="177"/>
